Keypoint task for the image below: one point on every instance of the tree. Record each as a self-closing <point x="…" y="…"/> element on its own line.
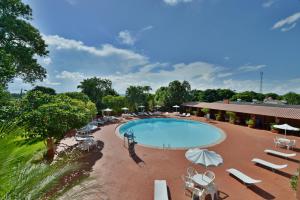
<point x="77" y="95"/>
<point x="248" y="96"/>
<point x="136" y="96"/>
<point x="292" y="98"/>
<point x="51" y="119"/>
<point x="45" y="90"/>
<point x="96" y="88"/>
<point x="196" y="95"/>
<point x="210" y="95"/>
<point x="161" y="96"/>
<point x="178" y="93"/>
<point x="225" y="94"/>
<point x="20" y="44"/>
<point x="116" y="103"/>
<point x="272" y="95"/>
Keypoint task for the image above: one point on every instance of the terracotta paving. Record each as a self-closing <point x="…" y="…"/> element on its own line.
<point x="119" y="176"/>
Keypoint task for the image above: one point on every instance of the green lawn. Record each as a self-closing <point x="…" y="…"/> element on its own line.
<point x="23" y="173"/>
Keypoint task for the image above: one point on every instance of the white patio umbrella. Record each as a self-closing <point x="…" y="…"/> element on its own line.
<point x="157" y="107"/>
<point x="142" y="107"/>
<point x="124" y="108"/>
<point x="286" y="127"/>
<point x="176" y="106"/>
<point x="108" y="110"/>
<point x="204" y="157"/>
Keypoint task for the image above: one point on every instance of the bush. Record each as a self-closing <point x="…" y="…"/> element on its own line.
<point x="250" y="122"/>
<point x="218" y="116"/>
<point x="294" y="181"/>
<point x="272" y="126"/>
<point x="205" y="110"/>
<point x="232" y="116"/>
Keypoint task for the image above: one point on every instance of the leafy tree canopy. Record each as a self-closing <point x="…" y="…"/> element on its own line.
<point x="96" y="88"/>
<point x="137" y="95"/>
<point x="248" y="96"/>
<point x="292" y="98"/>
<point x="77" y="95"/>
<point x="116" y="103"/>
<point x="45" y="90"/>
<point x="20" y="43"/>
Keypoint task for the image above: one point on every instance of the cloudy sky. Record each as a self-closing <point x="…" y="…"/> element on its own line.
<point x="210" y="43"/>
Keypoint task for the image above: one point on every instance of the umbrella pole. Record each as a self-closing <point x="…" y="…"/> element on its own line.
<point x="285" y="132"/>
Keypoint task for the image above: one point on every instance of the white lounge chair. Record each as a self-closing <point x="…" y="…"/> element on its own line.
<point x="188" y="114"/>
<point x="268" y="164"/>
<point x="160" y="190"/>
<point x="281" y="154"/>
<point x="291" y="144"/>
<point x="182" y="115"/>
<point x="243" y="177"/>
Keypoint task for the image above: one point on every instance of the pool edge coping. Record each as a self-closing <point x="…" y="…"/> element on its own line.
<point x="219" y="141"/>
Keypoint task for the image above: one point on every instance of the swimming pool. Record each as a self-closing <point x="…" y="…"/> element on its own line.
<point x="172" y="133"/>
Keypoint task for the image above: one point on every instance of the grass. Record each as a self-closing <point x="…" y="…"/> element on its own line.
<point x="23" y="172"/>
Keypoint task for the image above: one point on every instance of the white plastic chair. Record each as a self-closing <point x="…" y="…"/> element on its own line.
<point x="188" y="184"/>
<point x="191" y="171"/>
<point x="211" y="175"/>
<point x="291" y="144"/>
<point x="200" y="193"/>
<point x="276" y="142"/>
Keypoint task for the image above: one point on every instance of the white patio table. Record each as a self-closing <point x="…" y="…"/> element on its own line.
<point x="201" y="180"/>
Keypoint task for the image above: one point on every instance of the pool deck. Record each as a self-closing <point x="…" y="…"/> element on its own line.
<point x="119" y="175"/>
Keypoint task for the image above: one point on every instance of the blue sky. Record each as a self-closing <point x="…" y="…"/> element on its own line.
<point x="210" y="43"/>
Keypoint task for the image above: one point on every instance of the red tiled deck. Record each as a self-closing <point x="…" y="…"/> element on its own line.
<point x="118" y="176"/>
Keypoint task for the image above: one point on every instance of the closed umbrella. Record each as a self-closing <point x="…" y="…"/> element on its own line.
<point x="204" y="157"/>
<point x="176" y="106"/>
<point x="286" y="127"/>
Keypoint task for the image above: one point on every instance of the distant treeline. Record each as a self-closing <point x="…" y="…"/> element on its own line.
<point x="100" y="92"/>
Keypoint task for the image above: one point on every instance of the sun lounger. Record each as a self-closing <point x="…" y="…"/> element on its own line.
<point x="243" y="177"/>
<point x="281" y="154"/>
<point x="160" y="190"/>
<point x="188" y="114"/>
<point x="268" y="164"/>
<point x="182" y="115"/>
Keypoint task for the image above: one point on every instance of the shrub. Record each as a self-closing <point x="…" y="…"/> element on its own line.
<point x="250" y="122"/>
<point x="218" y="116"/>
<point x="294" y="181"/>
<point x="205" y="110"/>
<point x="232" y="116"/>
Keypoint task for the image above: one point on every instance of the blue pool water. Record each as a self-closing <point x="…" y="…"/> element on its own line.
<point x="172" y="133"/>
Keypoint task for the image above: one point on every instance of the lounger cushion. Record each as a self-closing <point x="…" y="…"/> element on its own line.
<point x="243" y="177"/>
<point x="160" y="190"/>
<point x="280" y="153"/>
<point x="268" y="164"/>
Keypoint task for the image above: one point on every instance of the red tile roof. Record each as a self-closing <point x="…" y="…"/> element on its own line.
<point x="289" y="113"/>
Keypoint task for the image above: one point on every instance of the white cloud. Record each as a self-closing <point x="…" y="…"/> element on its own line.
<point x="175" y="2"/>
<point x="47" y="61"/>
<point x="72" y="2"/>
<point x="152" y="66"/>
<point x="222" y="75"/>
<point x="130" y="37"/>
<point x="126" y="37"/>
<point x="285" y="29"/>
<point x="250" y="68"/>
<point x="106" y="50"/>
<point x="268" y="3"/>
<point x="291" y="20"/>
<point x="74" y="76"/>
<point x="147" y="28"/>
